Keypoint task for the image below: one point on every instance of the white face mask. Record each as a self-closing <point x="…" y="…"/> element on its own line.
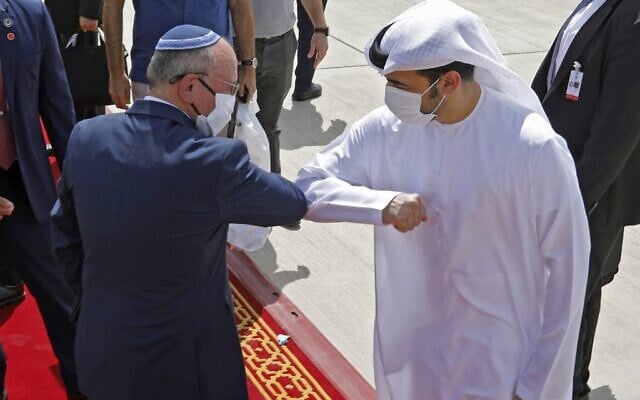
<point x="218" y="119"/>
<point x="406" y="105"/>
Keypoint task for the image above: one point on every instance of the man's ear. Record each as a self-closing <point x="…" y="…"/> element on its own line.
<point x="451" y="81"/>
<point x="186" y="89"/>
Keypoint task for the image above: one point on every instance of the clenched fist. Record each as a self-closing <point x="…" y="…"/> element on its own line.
<point x="6" y="207"/>
<point x="404" y="212"/>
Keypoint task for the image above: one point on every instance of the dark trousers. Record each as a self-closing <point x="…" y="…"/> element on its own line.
<point x="273" y="80"/>
<point x="29" y="249"/>
<point x="304" y="66"/>
<point x="606" y="251"/>
<point x="86" y="112"/>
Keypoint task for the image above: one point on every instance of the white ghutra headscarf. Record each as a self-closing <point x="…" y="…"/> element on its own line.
<point x="435" y="33"/>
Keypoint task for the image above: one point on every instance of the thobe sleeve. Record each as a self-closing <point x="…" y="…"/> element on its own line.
<point x="65" y="234"/>
<point x="563" y="245"/>
<point x="337" y="183"/>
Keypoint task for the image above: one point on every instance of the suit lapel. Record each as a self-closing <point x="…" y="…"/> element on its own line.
<point x="581" y="41"/>
<point x="8" y="50"/>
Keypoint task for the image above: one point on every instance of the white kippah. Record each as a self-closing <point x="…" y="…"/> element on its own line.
<point x="187" y="37"/>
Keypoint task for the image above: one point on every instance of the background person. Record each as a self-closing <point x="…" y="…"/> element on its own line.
<point x="601" y="125"/>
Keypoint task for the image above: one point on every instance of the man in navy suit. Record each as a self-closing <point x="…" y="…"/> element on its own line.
<point x="145" y="202"/>
<point x="33" y="85"/>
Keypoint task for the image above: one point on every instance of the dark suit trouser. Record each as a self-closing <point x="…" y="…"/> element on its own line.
<point x="606" y="251"/>
<point x="86" y="112"/>
<point x="30" y="251"/>
<point x="273" y="80"/>
<point x="304" y="65"/>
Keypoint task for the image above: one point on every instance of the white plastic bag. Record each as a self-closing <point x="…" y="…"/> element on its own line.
<point x="249" y="130"/>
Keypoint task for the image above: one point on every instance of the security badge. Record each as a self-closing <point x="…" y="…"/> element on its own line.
<point x="575" y="82"/>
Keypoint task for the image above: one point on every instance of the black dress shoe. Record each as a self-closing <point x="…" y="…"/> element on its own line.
<point x="312" y="92"/>
<point x="294" y="226"/>
<point x="11" y="294"/>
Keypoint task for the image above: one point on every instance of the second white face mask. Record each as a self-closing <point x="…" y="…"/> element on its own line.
<point x="219" y="118"/>
<point x="406" y="105"/>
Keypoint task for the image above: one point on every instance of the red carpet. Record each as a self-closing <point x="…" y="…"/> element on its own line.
<point x="273" y="371"/>
<point x="32" y="369"/>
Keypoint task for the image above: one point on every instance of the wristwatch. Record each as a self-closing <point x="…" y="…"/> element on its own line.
<point x="324" y="30"/>
<point x="250" y="62"/>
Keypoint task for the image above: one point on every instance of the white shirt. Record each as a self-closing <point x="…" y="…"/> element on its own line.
<point x="484" y="299"/>
<point x="159" y="100"/>
<point x="572" y="29"/>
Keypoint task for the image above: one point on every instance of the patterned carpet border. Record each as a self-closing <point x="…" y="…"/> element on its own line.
<point x="326" y="366"/>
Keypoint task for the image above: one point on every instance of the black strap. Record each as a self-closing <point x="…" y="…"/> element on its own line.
<point x="231" y="128"/>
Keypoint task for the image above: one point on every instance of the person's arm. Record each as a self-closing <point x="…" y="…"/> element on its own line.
<point x="615" y="130"/>
<point x="319" y="41"/>
<point x="336" y="183"/>
<point x="6" y="207"/>
<point x="89" y="12"/>
<point x="65" y="235"/>
<point x="54" y="98"/>
<point x="119" y="85"/>
<point x="253" y="196"/>
<point x="242" y="19"/>
<point x="563" y="246"/>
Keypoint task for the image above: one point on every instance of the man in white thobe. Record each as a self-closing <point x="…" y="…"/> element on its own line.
<point x="481" y="237"/>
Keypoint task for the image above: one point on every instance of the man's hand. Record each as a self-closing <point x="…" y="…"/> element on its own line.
<point x="120" y="90"/>
<point x="88" y="24"/>
<point x="246" y="82"/>
<point x="6" y="207"/>
<point x="404" y="212"/>
<point x="318" y="48"/>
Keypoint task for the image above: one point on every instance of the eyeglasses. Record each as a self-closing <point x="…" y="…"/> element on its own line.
<point x="234" y="86"/>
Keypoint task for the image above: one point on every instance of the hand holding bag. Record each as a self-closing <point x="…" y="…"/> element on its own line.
<point x="87" y="69"/>
<point x="249" y="130"/>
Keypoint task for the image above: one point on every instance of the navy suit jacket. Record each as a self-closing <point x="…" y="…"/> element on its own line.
<point x="35" y="85"/>
<point x="602" y="128"/>
<point x="145" y="202"/>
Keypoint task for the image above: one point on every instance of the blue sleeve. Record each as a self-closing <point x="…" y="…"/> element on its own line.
<point x="55" y="103"/>
<point x="255" y="197"/>
<point x="65" y="234"/>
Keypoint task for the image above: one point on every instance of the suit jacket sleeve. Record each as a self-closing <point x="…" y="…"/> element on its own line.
<point x="91" y="9"/>
<point x="255" y="197"/>
<point x="55" y="103"/>
<point x="615" y="130"/>
<point x="65" y="234"/>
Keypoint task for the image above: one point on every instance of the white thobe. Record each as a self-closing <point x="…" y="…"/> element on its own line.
<point x="483" y="301"/>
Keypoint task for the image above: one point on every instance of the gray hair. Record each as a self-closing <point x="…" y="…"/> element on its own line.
<point x="165" y="64"/>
